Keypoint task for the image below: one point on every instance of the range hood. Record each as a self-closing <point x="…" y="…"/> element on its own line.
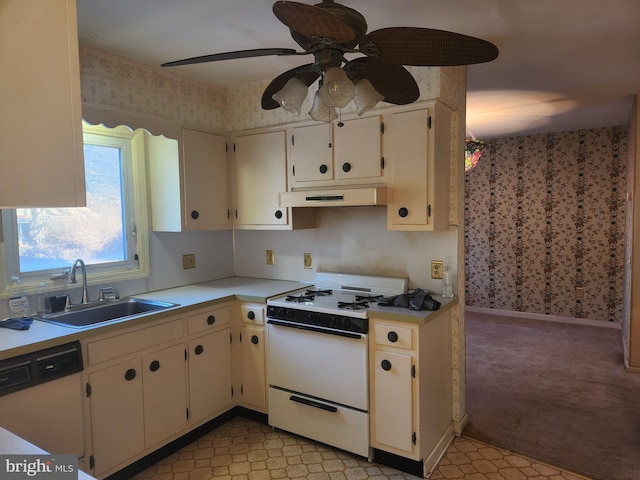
<point x="335" y="197"/>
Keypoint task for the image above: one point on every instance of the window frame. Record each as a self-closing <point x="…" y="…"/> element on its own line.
<point x="136" y="218"/>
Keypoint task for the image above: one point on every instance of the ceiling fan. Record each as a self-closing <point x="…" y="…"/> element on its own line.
<point x="328" y="31"/>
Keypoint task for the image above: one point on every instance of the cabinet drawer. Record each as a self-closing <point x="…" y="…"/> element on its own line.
<point x="393" y="336"/>
<point x="208" y="319"/>
<point x="253" y="314"/>
<point x="121" y="345"/>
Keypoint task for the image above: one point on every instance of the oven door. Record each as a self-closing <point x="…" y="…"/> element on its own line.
<point x="327" y="364"/>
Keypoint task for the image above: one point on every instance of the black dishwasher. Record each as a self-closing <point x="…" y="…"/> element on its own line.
<point x="38" y="367"/>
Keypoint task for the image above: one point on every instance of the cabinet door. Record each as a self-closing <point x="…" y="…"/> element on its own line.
<point x="165" y="393"/>
<point x="392" y="413"/>
<point x="409" y="170"/>
<point x="209" y="374"/>
<point x="117" y="414"/>
<point x="253" y="367"/>
<point x="260" y="174"/>
<point x="41" y="117"/>
<point x="312" y="153"/>
<point x="204" y="181"/>
<point x="358" y="149"/>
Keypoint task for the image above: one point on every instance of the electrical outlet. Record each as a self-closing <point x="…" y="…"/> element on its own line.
<point x="189" y="261"/>
<point x="437" y="267"/>
<point x="271" y="257"/>
<point x="308" y="260"/>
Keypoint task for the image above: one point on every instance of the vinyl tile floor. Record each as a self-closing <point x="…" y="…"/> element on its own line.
<point x="242" y="449"/>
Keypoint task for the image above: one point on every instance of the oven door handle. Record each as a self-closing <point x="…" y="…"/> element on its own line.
<point x="338" y="333"/>
<point x="311" y="403"/>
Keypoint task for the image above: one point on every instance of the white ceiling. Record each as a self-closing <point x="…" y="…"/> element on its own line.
<point x="563" y="64"/>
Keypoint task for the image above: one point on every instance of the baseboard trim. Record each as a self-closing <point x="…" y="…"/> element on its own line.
<point x="431" y="462"/>
<point x="631" y="369"/>
<point x="458" y="425"/>
<point x="545" y="318"/>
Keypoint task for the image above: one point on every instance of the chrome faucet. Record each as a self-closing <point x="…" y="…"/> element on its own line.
<point x="72" y="279"/>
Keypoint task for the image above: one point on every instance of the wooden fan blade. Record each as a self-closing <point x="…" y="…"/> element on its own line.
<point x="307" y="73"/>
<point x="256" y="52"/>
<point x="310" y="21"/>
<point x="393" y="81"/>
<point x="426" y="47"/>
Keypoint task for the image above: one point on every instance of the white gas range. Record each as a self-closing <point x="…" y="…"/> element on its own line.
<point x="318" y="358"/>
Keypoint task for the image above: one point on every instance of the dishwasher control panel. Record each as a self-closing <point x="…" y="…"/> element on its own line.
<point x="39" y="367"/>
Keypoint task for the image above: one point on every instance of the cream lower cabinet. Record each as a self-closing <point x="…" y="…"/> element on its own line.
<point x="411" y="391"/>
<point x="419" y="163"/>
<point x="209" y="356"/>
<point x="252" y="341"/>
<point x="137" y="403"/>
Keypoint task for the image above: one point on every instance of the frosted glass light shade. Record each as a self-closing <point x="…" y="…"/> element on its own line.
<point x="292" y="95"/>
<point x="321" y="112"/>
<point x="366" y="96"/>
<point x="337" y="90"/>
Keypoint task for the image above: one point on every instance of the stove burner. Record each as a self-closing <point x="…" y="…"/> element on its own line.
<point x="300" y="298"/>
<point x="358" y="305"/>
<point x="319" y="293"/>
<point x="368" y="298"/>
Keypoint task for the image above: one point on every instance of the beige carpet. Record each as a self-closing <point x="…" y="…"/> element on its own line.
<point x="555" y="392"/>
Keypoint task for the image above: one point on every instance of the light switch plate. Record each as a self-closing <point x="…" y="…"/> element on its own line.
<point x="271" y="257"/>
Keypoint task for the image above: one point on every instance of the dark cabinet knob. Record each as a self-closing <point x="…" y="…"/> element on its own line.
<point x="154" y="366"/>
<point x="346" y="167"/>
<point x="199" y="349"/>
<point x="278" y="214"/>
<point x="254" y="339"/>
<point x="403" y="212"/>
<point x="251" y="315"/>
<point x="211" y="320"/>
<point x="195" y="214"/>
<point x="130" y="374"/>
<point x="324" y="169"/>
<point x="392" y="336"/>
<point x="386" y="365"/>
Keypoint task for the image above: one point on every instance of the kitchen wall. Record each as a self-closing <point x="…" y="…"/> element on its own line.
<point x="117" y="90"/>
<point x="546" y="214"/>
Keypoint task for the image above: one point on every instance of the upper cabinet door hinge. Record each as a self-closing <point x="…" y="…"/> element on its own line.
<point x="231" y="338"/>
<point x="429" y="122"/>
<point x="429" y="210"/>
<point x="293" y="168"/>
<point x="293" y="140"/>
<point x="234" y="148"/>
<point x="226" y="147"/>
<point x="92" y="462"/>
<point x="87" y="389"/>
<point x="413" y="371"/>
<point x="382" y="163"/>
<point x="382" y="128"/>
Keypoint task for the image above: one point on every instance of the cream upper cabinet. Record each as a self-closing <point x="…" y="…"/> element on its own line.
<point x="191" y="193"/>
<point x="411" y="391"/>
<point x="339" y="153"/>
<point x="419" y="164"/>
<point x="260" y="171"/>
<point x="40" y="117"/>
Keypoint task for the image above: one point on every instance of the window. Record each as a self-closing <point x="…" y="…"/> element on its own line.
<point x="41" y="243"/>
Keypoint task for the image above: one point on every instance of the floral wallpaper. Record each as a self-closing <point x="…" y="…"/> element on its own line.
<point x="112" y="81"/>
<point x="545" y="220"/>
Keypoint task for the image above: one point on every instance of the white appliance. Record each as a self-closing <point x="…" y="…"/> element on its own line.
<point x="318" y="358"/>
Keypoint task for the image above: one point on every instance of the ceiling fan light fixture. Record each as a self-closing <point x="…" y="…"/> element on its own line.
<point x="292" y="95"/>
<point x="337" y="90"/>
<point x="321" y="112"/>
<point x="366" y="96"/>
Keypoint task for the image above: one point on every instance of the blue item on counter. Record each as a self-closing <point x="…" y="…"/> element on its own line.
<point x="22" y="323"/>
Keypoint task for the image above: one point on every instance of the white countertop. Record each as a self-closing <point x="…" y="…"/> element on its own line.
<point x="43" y="335"/>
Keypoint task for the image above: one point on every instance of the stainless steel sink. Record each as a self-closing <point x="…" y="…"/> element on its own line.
<point x="86" y="315"/>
